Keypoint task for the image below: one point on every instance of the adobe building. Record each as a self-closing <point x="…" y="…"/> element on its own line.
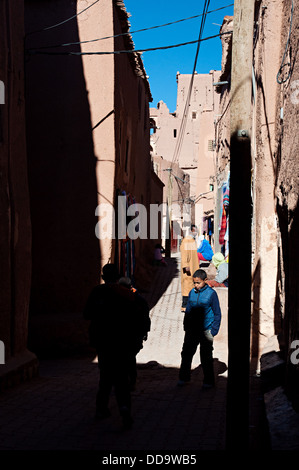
<point x="88" y="143"/>
<point x="264" y="231"/>
<point x="176" y="192"/>
<point x="222" y="143"/>
<point x="195" y="157"/>
<point x="275" y="193"/>
<point x="17" y="363"/>
<point x="286" y="189"/>
<point x="186" y="137"/>
<point x="205" y="178"/>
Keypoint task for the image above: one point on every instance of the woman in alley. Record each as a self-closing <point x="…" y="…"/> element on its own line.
<point x="221" y="278"/>
<point x="204" y="250"/>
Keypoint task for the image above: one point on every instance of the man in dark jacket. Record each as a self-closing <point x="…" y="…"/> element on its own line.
<point x="201" y="323"/>
<point x="113" y="330"/>
<point x="142" y="326"/>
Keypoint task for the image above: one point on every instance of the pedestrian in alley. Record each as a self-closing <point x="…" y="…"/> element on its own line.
<point x="112" y="311"/>
<point x="201" y="323"/>
<point x="194" y="232"/>
<point x="142" y="327"/>
<point x="159" y="259"/>
<point x="189" y="264"/>
<point x="221" y="264"/>
<point x="204" y="250"/>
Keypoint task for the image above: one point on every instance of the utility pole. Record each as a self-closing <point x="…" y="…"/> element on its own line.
<point x="239" y="295"/>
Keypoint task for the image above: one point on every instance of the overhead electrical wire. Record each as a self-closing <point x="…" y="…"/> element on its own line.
<point x="198" y="41"/>
<point x="63" y="22"/>
<point x="126" y="33"/>
<point x="127" y="51"/>
<point x="283" y="65"/>
<point x="185" y="114"/>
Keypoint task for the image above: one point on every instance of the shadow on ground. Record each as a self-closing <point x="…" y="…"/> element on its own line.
<point x="163" y="275"/>
<point x="58" y="411"/>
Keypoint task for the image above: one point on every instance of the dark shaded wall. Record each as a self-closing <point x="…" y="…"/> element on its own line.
<point x="132" y="137"/>
<point x="62" y="183"/>
<point x="15" y="227"/>
<point x="287" y="193"/>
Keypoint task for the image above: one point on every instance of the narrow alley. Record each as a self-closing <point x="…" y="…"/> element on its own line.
<point x="55" y="411"/>
<point x="112" y="145"/>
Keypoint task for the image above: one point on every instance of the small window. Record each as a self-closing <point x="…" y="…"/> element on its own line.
<point x="2" y="92"/>
<point x="153" y="126"/>
<point x="193" y="114"/>
<point x="211" y="145"/>
<point x="174" y="133"/>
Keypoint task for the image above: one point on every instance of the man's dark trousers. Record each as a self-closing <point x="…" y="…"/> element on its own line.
<point x="114" y="372"/>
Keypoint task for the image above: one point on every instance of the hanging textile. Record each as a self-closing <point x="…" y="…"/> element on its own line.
<point x="224" y="210"/>
<point x="225" y="190"/>
<point x="210" y="226"/>
<point x="222" y="227"/>
<point x="226" y="238"/>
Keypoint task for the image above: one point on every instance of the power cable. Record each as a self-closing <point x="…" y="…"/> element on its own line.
<point x="128" y="51"/>
<point x="184" y="120"/>
<point x="282" y="66"/>
<point x="63" y="22"/>
<point x="200" y="196"/>
<point x="185" y="114"/>
<point x="129" y="32"/>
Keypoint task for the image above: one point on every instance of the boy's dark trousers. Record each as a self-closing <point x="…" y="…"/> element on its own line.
<point x="191" y="341"/>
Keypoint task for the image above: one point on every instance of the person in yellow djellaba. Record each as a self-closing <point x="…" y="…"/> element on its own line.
<point x="189" y="264"/>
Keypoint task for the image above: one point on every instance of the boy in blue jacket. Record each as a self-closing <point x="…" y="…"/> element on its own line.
<point x="201" y="323"/>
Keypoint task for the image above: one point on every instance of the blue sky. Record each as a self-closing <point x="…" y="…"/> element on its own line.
<point x="162" y="66"/>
